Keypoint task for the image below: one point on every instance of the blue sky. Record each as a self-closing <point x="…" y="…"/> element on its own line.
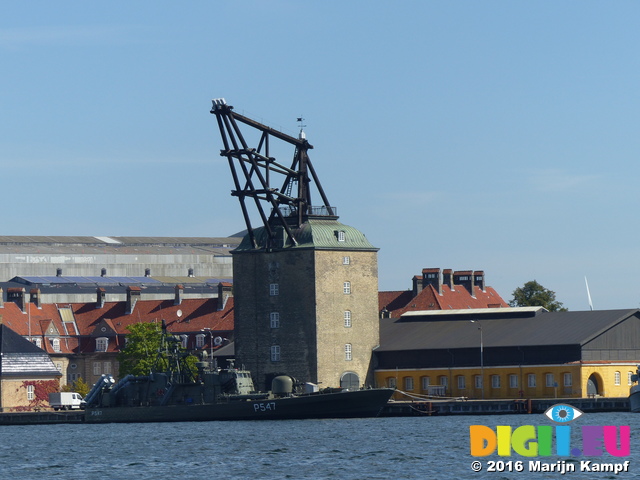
<point x="496" y="135"/>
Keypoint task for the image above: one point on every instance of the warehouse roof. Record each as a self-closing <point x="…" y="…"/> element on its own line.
<point x="505" y="328"/>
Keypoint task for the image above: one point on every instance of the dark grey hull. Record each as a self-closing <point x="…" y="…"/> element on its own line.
<point x="634" y="399"/>
<point x="353" y="404"/>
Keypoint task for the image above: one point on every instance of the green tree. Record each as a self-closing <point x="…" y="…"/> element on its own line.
<point x="532" y="294"/>
<point x="145" y="351"/>
<point x="79" y="386"/>
<point x="140" y="354"/>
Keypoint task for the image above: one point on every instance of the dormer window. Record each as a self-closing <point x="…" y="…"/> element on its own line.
<point x="55" y="344"/>
<point x="341" y="235"/>
<point x="102" y="343"/>
<point x="200" y="340"/>
<point x="185" y="340"/>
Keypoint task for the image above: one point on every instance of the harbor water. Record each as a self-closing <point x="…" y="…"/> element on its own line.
<point x="376" y="448"/>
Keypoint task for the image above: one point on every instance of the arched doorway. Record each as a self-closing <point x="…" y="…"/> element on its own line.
<point x="350" y="381"/>
<point x="592" y="385"/>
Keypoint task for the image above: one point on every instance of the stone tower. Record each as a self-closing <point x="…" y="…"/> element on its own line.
<point x="309" y="310"/>
<point x="305" y="285"/>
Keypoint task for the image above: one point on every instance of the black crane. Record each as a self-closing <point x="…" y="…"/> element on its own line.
<point x="255" y="171"/>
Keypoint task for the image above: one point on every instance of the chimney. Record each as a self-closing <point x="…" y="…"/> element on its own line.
<point x="225" y="290"/>
<point x="464" y="278"/>
<point x="478" y="279"/>
<point x="190" y="272"/>
<point x="16" y="295"/>
<point x="447" y="275"/>
<point x="147" y="272"/>
<point x="103" y="272"/>
<point x="178" y="297"/>
<point x="100" y="297"/>
<point x="133" y="295"/>
<point x="431" y="276"/>
<point x="1" y="298"/>
<point x="417" y="285"/>
<point x="35" y="298"/>
<point x="58" y="272"/>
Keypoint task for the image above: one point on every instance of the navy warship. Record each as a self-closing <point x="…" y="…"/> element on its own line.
<point x="176" y="394"/>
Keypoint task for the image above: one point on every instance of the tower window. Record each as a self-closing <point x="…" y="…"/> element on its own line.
<point x="347" y="319"/>
<point x="346" y="288"/>
<point x="346" y="260"/>
<point x="347" y="352"/>
<point x="274" y="319"/>
<point x="275" y="353"/>
<point x="341" y="236"/>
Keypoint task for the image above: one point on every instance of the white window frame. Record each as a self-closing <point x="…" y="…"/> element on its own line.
<point x="342" y="236"/>
<point x="348" y="352"/>
<point x="408" y="384"/>
<point x="549" y="381"/>
<point x="495" y="381"/>
<point x="96" y="368"/>
<point x="444" y="380"/>
<point x="531" y="380"/>
<point x="55" y="344"/>
<point x="513" y="380"/>
<point x="31" y="392"/>
<point x="568" y="379"/>
<point x="346" y="288"/>
<point x="275" y="353"/>
<point x="346" y="260"/>
<point x="200" y="340"/>
<point x="391" y="382"/>
<point x="184" y="341"/>
<point x="347" y="319"/>
<point x="274" y="289"/>
<point x="107" y="368"/>
<point x="274" y="319"/>
<point x="102" y="343"/>
<point x="462" y="382"/>
<point x="426" y="381"/>
<point x="616" y="378"/>
<point x="478" y="381"/>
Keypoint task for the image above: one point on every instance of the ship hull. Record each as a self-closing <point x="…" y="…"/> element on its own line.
<point x="634" y="399"/>
<point x="348" y="404"/>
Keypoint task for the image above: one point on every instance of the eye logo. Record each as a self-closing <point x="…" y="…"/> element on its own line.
<point x="560" y="413"/>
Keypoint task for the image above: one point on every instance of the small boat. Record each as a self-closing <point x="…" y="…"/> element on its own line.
<point x="634" y="393"/>
<point x="176" y="394"/>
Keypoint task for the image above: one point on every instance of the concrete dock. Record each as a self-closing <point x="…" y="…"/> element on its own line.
<point x="500" y="407"/>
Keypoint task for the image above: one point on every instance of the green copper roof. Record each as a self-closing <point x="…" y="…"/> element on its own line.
<point x="318" y="233"/>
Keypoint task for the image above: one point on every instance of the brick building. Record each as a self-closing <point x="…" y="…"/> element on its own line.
<point x="308" y="310"/>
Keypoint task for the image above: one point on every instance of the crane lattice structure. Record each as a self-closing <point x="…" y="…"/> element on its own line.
<point x="254" y="172"/>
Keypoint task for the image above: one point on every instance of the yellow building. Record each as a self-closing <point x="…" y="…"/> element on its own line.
<point x="509" y="353"/>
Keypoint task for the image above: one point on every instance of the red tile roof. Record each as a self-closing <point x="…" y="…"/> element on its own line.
<point x="401" y="302"/>
<point x="190" y="317"/>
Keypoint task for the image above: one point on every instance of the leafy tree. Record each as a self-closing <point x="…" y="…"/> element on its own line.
<point x="140" y="354"/>
<point x="145" y="351"/>
<point x="532" y="294"/>
<point x="79" y="386"/>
